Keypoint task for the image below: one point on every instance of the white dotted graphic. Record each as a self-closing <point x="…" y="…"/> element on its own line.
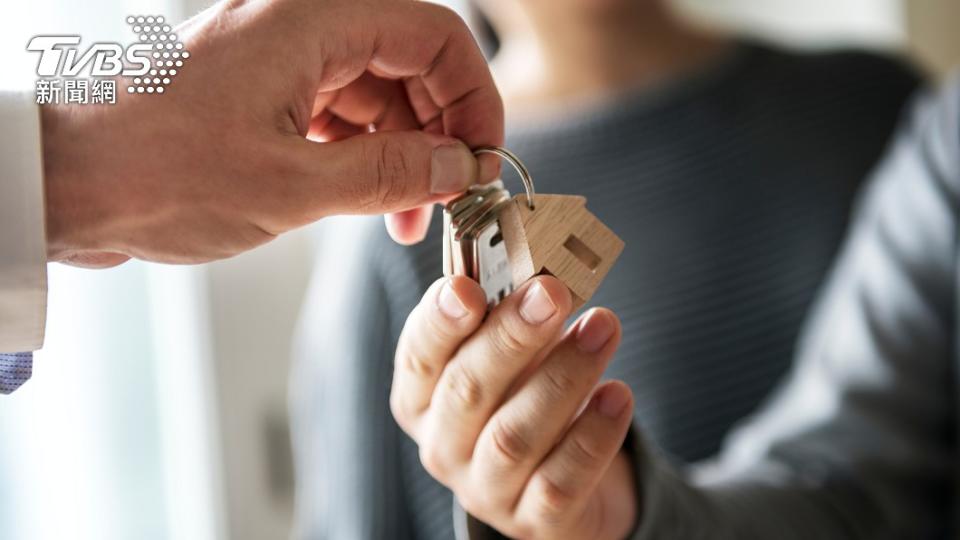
<point x="167" y="53"/>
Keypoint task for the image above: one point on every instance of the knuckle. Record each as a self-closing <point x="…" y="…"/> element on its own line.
<point x="510" y="446"/>
<point x="419" y="366"/>
<point x="439" y="331"/>
<point x="583" y="454"/>
<point x="434" y="461"/>
<point x="464" y="386"/>
<point x="507" y="342"/>
<point x="559" y="382"/>
<point x="252" y="235"/>
<point x="419" y="334"/>
<point x="391" y="171"/>
<point x="552" y="501"/>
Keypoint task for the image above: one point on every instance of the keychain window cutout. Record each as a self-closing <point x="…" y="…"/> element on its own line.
<point x="582" y="252"/>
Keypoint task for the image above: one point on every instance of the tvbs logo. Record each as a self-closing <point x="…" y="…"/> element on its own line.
<point x="60" y="57"/>
<point x="148" y="65"/>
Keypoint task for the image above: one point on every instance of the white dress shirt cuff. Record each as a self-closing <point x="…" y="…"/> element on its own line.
<point x="23" y="250"/>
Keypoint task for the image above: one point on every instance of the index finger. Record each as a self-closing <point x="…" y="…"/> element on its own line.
<point x="450" y="310"/>
<point x="491" y="361"/>
<point x="401" y="39"/>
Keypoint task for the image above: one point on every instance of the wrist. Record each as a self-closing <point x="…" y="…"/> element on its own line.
<point x="68" y="187"/>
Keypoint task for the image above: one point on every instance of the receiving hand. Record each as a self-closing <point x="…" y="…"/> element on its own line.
<point x="507" y="412"/>
<point x="267" y="128"/>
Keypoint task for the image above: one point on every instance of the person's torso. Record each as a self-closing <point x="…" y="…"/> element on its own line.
<point x="731" y="194"/>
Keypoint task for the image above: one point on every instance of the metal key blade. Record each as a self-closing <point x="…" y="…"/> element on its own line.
<point x="473" y="245"/>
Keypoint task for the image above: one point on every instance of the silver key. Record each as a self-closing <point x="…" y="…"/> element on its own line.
<point x="473" y="245"/>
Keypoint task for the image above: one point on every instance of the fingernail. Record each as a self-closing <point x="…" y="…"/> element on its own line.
<point x="453" y="169"/>
<point x="594" y="332"/>
<point x="537" y="306"/>
<point x="450" y="304"/>
<point x="612" y="402"/>
<point x="489" y="168"/>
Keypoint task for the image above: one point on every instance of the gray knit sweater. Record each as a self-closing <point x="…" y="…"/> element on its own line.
<point x="861" y="440"/>
<point x="731" y="188"/>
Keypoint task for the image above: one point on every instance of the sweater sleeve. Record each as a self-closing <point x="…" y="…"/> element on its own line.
<point x="858" y="441"/>
<point x="344" y="439"/>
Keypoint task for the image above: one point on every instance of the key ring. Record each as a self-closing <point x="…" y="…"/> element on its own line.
<point x="517" y="164"/>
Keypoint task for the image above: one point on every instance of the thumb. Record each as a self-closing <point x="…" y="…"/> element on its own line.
<point x="383" y="172"/>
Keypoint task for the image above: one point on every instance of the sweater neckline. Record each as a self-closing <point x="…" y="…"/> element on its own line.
<point x="578" y="116"/>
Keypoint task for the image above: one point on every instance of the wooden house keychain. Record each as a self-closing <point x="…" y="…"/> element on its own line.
<point x="502" y="241"/>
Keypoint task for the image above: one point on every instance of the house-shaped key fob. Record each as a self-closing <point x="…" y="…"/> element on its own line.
<point x="559" y="237"/>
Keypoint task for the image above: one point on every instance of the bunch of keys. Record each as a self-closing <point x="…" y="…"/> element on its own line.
<point x="501" y="241"/>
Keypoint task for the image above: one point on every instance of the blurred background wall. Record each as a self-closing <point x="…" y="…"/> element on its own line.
<point x="931" y="31"/>
<point x="158" y="406"/>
